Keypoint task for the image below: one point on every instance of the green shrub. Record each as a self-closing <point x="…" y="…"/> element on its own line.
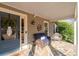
<point x="66" y="30"/>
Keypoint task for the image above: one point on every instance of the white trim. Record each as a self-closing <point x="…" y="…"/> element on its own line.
<point x="25" y="34"/>
<point x="20" y="34"/>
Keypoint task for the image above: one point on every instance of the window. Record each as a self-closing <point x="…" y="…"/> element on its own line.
<point x="22" y="30"/>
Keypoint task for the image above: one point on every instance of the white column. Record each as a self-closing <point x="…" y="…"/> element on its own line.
<point x="75" y="26"/>
<point x="75" y="33"/>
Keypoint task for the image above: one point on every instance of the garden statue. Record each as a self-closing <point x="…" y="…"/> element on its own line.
<point x="9" y="31"/>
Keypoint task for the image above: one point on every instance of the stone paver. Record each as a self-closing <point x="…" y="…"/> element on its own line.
<point x="66" y="48"/>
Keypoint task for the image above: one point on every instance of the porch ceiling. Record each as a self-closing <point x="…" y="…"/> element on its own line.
<point x="47" y="10"/>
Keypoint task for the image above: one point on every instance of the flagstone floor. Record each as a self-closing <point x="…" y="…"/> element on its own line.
<point x="58" y="48"/>
<point x="66" y="48"/>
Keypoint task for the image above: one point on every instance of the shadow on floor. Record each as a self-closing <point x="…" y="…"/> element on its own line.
<point x="56" y="52"/>
<point x="31" y="53"/>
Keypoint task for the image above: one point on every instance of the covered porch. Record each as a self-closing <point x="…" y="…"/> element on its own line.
<point x="39" y="18"/>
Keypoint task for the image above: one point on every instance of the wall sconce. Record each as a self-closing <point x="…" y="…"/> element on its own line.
<point x="33" y="22"/>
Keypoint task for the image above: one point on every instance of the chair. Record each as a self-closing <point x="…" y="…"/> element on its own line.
<point x="57" y="37"/>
